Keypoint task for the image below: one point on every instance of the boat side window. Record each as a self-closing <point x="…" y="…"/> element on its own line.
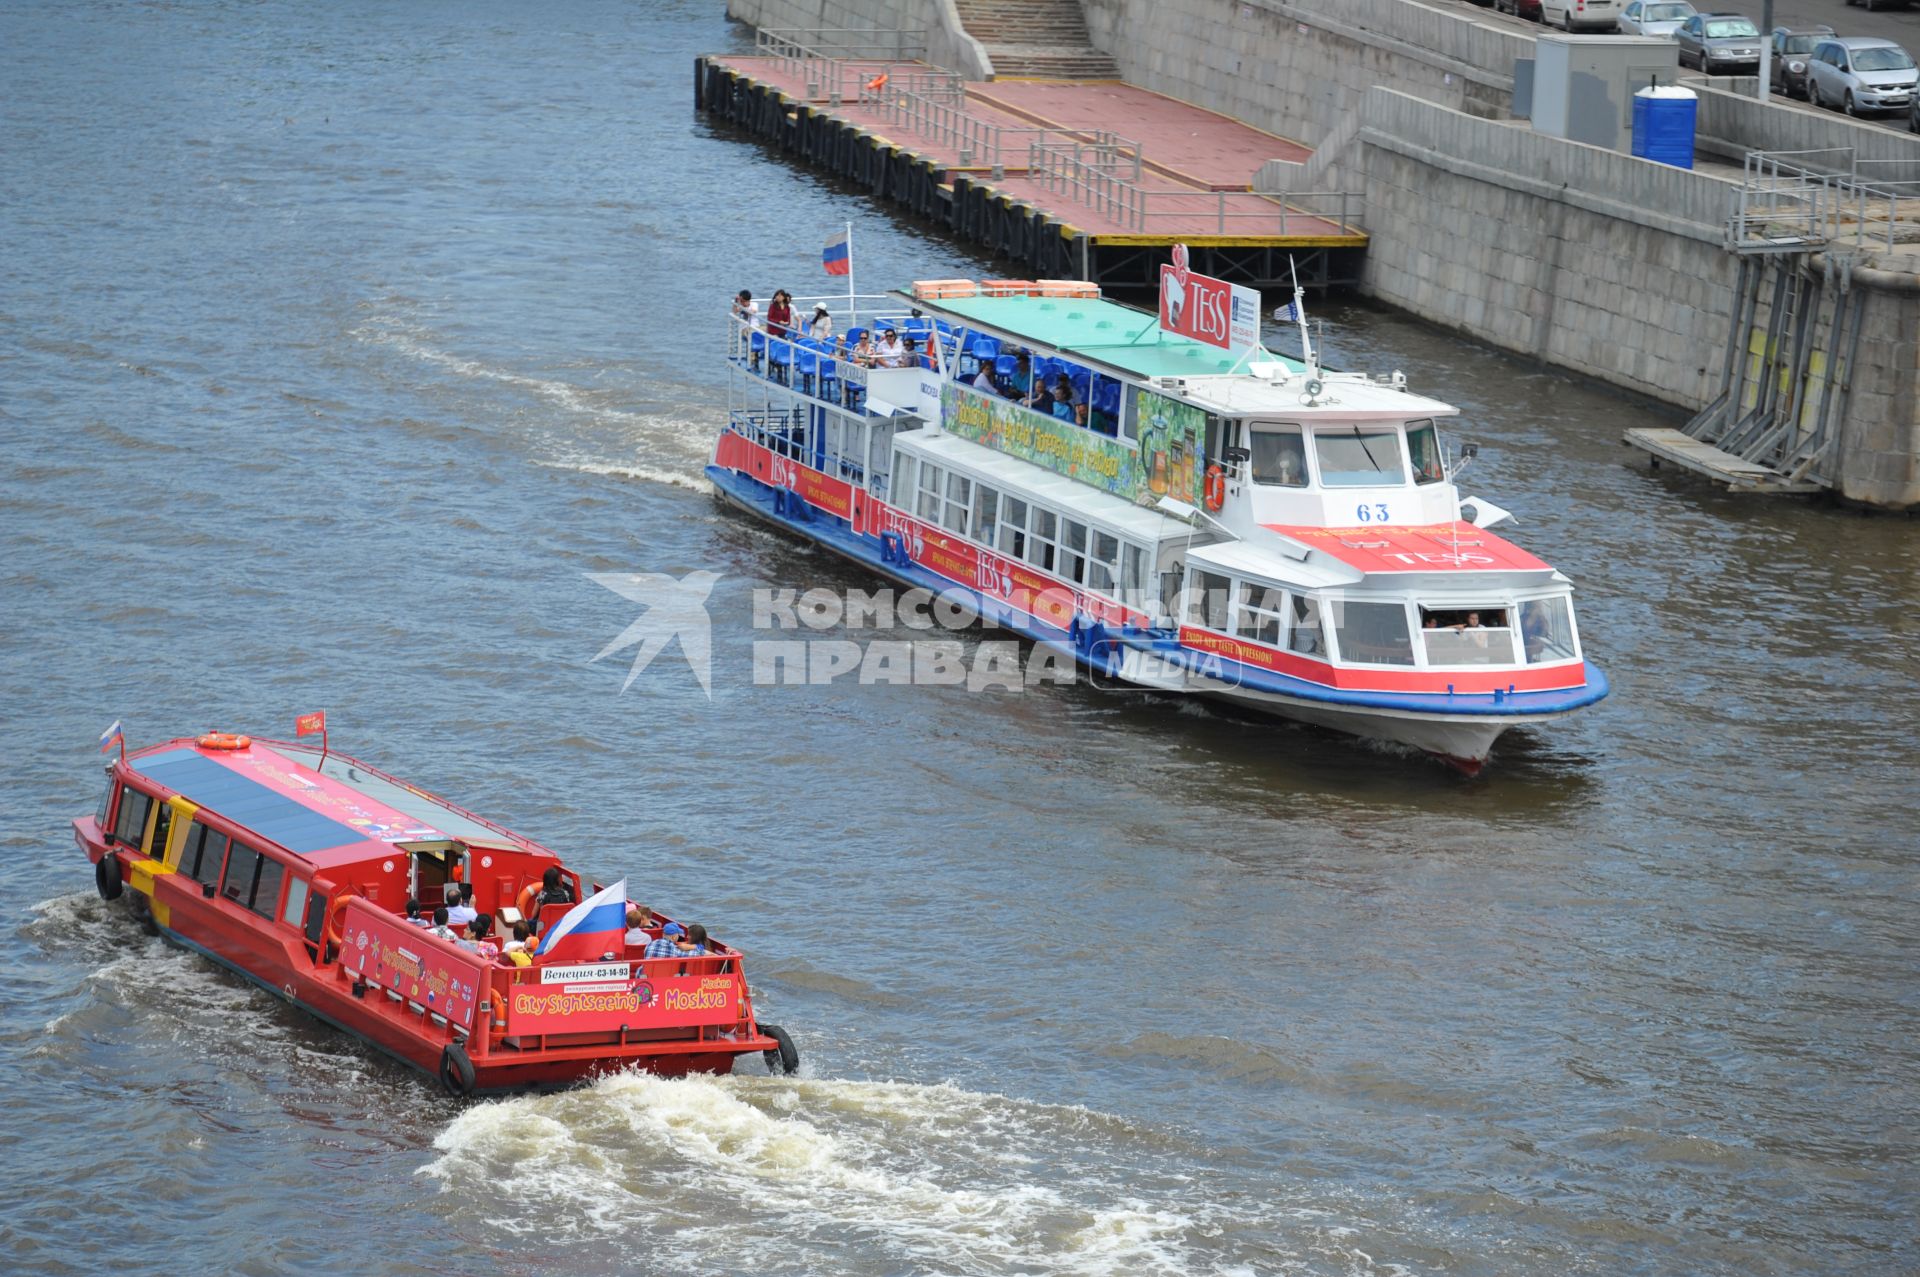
<point x="266" y="891"/>
<point x="930" y="479"/>
<point x="1467" y="636"/>
<point x="1359" y="457"/>
<point x="162" y="825"/>
<point x="959" y="497"/>
<point x="1373" y="633"/>
<point x="204" y="855"/>
<point x="1207" y="600"/>
<point x="1546" y="630"/>
<point x="1073" y="545"/>
<point x="106" y="805"/>
<point x="1423" y="446"/>
<point x="242" y="863"/>
<point x="1279" y="457"/>
<point x="1303" y="633"/>
<point x="132" y="825"/>
<point x="1133" y="570"/>
<point x="986" y="513"/>
<point x="316" y="917"/>
<point x="1040" y="543"/>
<point x="296" y="904"/>
<point x="1013" y="528"/>
<point x="1103" y="564"/>
<point x="1259" y="612"/>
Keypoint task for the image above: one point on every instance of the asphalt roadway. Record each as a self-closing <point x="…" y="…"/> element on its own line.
<point x="1900" y="24"/>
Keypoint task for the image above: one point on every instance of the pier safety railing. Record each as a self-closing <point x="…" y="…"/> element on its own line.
<point x="1792" y="201"/>
<point x="837" y="63"/>
<point x="1100" y="178"/>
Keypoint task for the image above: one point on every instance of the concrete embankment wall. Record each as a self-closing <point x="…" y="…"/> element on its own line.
<point x="948" y="43"/>
<point x="1300" y="69"/>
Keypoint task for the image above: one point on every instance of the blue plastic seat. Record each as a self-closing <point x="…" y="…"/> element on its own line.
<point x="757" y="346"/>
<point x="984" y="348"/>
<point x="779" y="360"/>
<point x="1005" y="366"/>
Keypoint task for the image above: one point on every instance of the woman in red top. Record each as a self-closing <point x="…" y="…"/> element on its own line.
<point x="780" y="314"/>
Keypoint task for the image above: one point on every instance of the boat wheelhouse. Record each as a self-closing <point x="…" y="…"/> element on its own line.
<point x="292" y="866"/>
<point x="1177" y="517"/>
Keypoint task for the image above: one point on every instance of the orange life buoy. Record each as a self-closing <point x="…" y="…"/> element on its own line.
<point x="224" y="740"/>
<point x="1216" y="487"/>
<point x="336" y="935"/>
<point x="525" y="901"/>
<point x="878" y="82"/>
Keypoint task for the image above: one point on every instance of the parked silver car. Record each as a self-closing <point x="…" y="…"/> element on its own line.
<point x="1654" y="17"/>
<point x="1859" y="74"/>
<point x="1791" y="50"/>
<point x="1719" y="43"/>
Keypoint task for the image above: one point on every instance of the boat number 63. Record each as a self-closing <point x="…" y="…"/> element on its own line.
<point x="1376" y="513"/>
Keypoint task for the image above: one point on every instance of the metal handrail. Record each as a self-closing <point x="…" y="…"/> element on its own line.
<point x="1089" y="173"/>
<point x="1785" y="200"/>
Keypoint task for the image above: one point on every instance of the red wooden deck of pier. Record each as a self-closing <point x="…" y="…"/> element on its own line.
<point x="1197" y="166"/>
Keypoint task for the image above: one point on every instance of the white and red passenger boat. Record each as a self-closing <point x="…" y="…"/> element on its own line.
<point x="1179" y="508"/>
<point x="292" y="866"/>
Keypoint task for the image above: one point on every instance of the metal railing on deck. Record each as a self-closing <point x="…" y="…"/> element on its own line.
<point x="1792" y="201"/>
<point x="837" y="63"/>
<point x="1105" y="176"/>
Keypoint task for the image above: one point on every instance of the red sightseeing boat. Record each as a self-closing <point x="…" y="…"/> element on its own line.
<point x="292" y="866"/>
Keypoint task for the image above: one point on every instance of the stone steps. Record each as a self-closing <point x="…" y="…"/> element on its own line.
<point x="1036" y="39"/>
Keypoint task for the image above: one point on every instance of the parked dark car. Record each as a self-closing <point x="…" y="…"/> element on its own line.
<point x="1791" y="49"/>
<point x="1518" y="8"/>
<point x="1720" y="44"/>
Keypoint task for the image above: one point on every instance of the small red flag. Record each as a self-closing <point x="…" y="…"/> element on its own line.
<point x="310" y="724"/>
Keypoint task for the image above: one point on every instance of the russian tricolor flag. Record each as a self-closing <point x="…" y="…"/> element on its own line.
<point x="837" y="257"/>
<point x="595" y="926"/>
<point x="111" y="737"/>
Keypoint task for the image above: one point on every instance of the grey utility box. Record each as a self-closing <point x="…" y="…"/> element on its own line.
<point x="1583" y="85"/>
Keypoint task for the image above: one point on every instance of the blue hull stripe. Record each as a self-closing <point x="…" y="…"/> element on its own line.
<point x="838" y="535"/>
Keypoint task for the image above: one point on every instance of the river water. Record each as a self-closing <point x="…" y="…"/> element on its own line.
<point x="340" y="343"/>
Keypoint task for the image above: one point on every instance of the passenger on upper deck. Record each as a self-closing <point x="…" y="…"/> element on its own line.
<point x="666" y="946"/>
<point x="1065" y="405"/>
<point x="522" y="937"/>
<point x="780" y="314"/>
<point x="639" y="922"/>
<point x="553" y="891"/>
<point x="694" y="943"/>
<point x="413" y="914"/>
<point x="460" y="910"/>
<point x="890" y="353"/>
<point x="1020" y="385"/>
<point x="440" y="927"/>
<point x="983" y="380"/>
<point x="820" y="327"/>
<point x="862" y="352"/>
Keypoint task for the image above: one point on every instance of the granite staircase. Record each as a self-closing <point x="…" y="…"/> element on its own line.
<point x="1036" y="39"/>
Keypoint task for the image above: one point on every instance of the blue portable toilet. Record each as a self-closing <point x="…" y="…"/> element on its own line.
<point x="1664" y="118"/>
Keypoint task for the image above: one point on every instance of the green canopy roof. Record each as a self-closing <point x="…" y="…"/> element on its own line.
<point x="1094" y="328"/>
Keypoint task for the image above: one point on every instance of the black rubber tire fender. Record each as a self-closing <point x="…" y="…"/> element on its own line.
<point x="106" y="877"/>
<point x="456" y="1070"/>
<point x="785" y="1057"/>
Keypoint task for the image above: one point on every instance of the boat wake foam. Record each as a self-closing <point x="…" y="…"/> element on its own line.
<point x="672" y="447"/>
<point x="708" y="1168"/>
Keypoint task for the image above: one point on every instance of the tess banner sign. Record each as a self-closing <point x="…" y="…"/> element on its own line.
<point x="1207" y="309"/>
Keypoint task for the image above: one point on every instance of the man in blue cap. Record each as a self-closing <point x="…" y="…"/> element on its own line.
<point x="665" y="946"/>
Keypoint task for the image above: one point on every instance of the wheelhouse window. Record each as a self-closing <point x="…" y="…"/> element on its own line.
<point x="296" y="902"/>
<point x="1373" y="633"/>
<point x="132" y="825"/>
<point x="1208" y="599"/>
<point x="1546" y="630"/>
<point x="1362" y="457"/>
<point x="1467" y="636"/>
<point x="1279" y="457"/>
<point x="106" y="804"/>
<point x="1423" y="447"/>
